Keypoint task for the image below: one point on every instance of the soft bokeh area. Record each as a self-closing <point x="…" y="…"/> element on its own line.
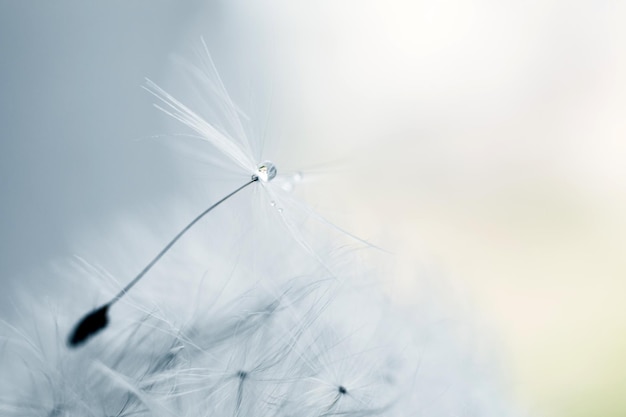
<point x="484" y="139"/>
<point x="490" y="136"/>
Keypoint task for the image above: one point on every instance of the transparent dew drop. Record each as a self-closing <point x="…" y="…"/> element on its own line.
<point x="273" y="203"/>
<point x="266" y="171"/>
<point x="280" y="210"/>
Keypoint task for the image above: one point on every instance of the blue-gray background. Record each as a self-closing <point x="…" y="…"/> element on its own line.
<point x="70" y="109"/>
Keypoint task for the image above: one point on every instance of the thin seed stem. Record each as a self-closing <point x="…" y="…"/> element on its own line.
<point x="175" y="239"/>
<point x="97" y="319"/>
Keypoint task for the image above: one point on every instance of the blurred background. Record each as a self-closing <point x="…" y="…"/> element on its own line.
<point x="484" y="139"/>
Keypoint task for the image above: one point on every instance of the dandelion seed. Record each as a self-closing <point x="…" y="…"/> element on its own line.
<point x="235" y="145"/>
<point x="237" y="150"/>
<point x="90" y="325"/>
<point x="97" y="320"/>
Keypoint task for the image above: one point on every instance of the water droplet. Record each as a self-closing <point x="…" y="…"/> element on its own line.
<point x="297" y="176"/>
<point x="266" y="171"/>
<point x="273" y="203"/>
<point x="280" y="210"/>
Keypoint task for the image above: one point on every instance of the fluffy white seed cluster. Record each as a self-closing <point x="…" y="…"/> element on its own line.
<point x="257" y="313"/>
<point x="311" y="345"/>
